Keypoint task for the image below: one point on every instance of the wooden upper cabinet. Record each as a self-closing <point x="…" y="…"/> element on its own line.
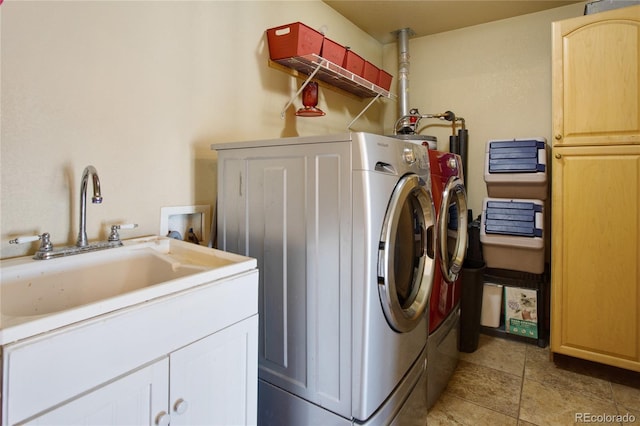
<point x="596" y="82"/>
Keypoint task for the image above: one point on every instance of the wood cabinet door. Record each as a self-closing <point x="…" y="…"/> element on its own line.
<point x="596" y="82"/>
<point x="139" y="398"/>
<point x="595" y="254"/>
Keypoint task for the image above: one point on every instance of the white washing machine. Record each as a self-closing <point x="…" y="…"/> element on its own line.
<point x="343" y="230"/>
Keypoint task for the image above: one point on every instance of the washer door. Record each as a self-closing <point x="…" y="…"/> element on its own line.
<point x="406" y="254"/>
<point x="452" y="229"/>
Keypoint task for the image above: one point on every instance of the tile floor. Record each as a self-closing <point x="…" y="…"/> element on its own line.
<point x="505" y="382"/>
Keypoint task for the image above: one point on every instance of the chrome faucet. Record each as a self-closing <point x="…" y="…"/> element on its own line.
<point x="46" y="250"/>
<point x="96" y="199"/>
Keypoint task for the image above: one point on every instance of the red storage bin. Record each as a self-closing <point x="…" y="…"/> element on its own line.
<point x="333" y="51"/>
<point x="384" y="79"/>
<point x="353" y="62"/>
<point x="370" y="72"/>
<point x="294" y="39"/>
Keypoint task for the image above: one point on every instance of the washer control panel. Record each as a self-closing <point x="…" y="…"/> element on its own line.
<point x="415" y="154"/>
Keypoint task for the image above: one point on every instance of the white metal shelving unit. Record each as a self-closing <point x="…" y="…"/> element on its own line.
<point x="321" y="69"/>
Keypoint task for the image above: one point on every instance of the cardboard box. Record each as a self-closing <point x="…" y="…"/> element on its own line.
<point x="491" y="305"/>
<point x="294" y="39"/>
<point x="604" y="5"/>
<point x="521" y="311"/>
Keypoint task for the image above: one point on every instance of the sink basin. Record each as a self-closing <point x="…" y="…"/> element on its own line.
<point x="93" y="283"/>
<point x="46" y="289"/>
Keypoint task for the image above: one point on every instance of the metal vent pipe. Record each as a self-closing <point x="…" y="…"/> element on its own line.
<point x="403" y="69"/>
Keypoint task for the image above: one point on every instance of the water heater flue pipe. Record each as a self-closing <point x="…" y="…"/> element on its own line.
<point x="403" y="70"/>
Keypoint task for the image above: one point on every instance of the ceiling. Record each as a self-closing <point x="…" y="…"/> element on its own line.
<point x="424" y="17"/>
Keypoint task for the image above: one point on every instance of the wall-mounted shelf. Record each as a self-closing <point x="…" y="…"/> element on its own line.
<point x="335" y="75"/>
<point x="321" y="69"/>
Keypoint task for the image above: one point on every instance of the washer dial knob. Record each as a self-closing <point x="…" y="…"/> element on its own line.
<point x="408" y="155"/>
<point x="452" y="163"/>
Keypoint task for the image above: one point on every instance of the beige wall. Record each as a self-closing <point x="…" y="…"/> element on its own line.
<point x="141" y="90"/>
<point x="497" y="76"/>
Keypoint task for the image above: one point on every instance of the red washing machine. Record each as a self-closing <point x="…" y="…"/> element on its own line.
<point x="450" y="201"/>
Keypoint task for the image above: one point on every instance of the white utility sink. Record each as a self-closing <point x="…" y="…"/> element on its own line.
<point x="44" y="288"/>
<point x="39" y="295"/>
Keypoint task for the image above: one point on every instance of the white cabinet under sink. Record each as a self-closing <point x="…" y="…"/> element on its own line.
<point x="129" y="400"/>
<point x="189" y="357"/>
<point x="209" y="379"/>
<point x="205" y="383"/>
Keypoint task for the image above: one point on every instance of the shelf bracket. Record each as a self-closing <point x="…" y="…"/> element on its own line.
<point x="284" y="110"/>
<point x="363" y="111"/>
<point x="335" y="75"/>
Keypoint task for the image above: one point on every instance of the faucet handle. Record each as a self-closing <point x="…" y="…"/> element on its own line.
<point x="114" y="236"/>
<point x="126" y="226"/>
<point x="25" y="239"/>
<point x="45" y="245"/>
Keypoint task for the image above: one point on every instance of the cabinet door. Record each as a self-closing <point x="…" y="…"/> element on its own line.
<point x="139" y="398"/>
<point x="596" y="88"/>
<point x="215" y="380"/>
<point x="595" y="252"/>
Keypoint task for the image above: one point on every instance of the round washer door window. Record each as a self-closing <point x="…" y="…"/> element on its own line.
<point x="406" y="254"/>
<point x="452" y="229"/>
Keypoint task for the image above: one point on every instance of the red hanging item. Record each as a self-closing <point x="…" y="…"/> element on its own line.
<point x="310" y="101"/>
